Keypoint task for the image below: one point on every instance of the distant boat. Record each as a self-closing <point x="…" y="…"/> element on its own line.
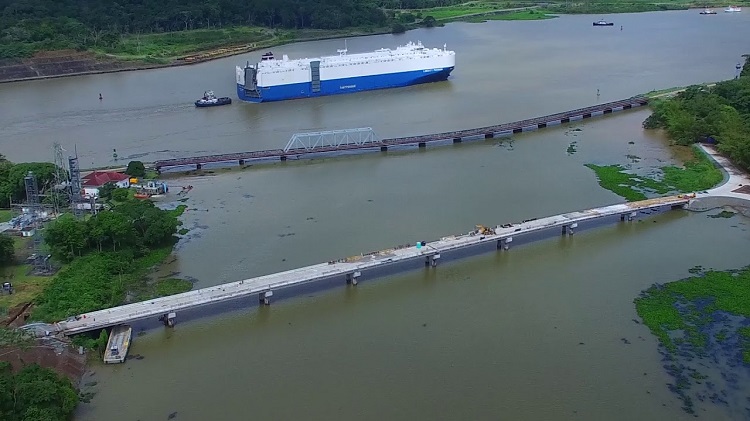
<point x="210" y="100"/>
<point x="603" y="23"/>
<point x="708" y="12"/>
<point x="733" y="9"/>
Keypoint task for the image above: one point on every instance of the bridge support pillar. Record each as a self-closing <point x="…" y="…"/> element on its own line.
<point x="198" y="166"/>
<point x="168" y="319"/>
<point x="265" y="297"/>
<point x="503" y="243"/>
<point x="351" y="278"/>
<point x="242" y="162"/>
<point x="568" y="229"/>
<point x="432" y="260"/>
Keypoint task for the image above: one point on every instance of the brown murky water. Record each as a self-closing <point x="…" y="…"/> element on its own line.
<point x="531" y="334"/>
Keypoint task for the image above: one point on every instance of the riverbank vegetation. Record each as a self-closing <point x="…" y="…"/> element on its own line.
<point x="696" y="175"/>
<point x="165" y="29"/>
<point x="718" y="113"/>
<point x="107" y="257"/>
<point x="35" y="393"/>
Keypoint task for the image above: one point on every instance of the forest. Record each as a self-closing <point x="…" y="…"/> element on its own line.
<point x="720" y="112"/>
<point x="35" y="393"/>
<point x="28" y="26"/>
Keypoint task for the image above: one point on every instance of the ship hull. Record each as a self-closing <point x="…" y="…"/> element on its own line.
<point x="344" y="85"/>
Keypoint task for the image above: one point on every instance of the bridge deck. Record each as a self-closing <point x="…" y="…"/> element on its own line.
<point x="487" y="132"/>
<point x="248" y="287"/>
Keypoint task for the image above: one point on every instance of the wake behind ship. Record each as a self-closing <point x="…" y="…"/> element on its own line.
<point x="278" y="80"/>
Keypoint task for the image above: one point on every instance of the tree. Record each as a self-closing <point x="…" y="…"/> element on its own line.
<point x="105" y="191"/>
<point x="120" y="195"/>
<point x="67" y="237"/>
<point x="43" y="395"/>
<point x="398" y="28"/>
<point x="7" y="251"/>
<point x="136" y="169"/>
<point x="45" y="173"/>
<point x="429" y="21"/>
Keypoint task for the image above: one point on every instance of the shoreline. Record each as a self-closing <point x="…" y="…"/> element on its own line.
<point x="216" y="53"/>
<point x="180" y="62"/>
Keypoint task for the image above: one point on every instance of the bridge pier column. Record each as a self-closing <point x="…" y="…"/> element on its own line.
<point x="568" y="229"/>
<point x="503" y="243"/>
<point x="198" y="166"/>
<point x="168" y="319"/>
<point x="351" y="278"/>
<point x="265" y="297"/>
<point x="432" y="260"/>
<point x="242" y="162"/>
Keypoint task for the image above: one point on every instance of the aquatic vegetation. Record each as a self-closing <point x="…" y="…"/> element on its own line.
<point x="684" y="305"/>
<point x="698" y="174"/>
<point x="705" y="318"/>
<point x="723" y="214"/>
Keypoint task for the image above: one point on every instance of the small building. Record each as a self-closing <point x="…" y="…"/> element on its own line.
<point x="93" y="181"/>
<point x="28" y="231"/>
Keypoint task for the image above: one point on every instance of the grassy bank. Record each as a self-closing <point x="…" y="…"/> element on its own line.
<point x="697" y="175"/>
<point x="205" y="44"/>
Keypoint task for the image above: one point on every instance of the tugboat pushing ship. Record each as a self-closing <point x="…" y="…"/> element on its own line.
<point x="210" y="100"/>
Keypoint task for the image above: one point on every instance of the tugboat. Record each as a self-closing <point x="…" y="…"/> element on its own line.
<point x="708" y="12"/>
<point x="210" y="100"/>
<point x="603" y="23"/>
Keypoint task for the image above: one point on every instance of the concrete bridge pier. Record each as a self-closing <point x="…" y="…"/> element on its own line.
<point x="568" y="229"/>
<point x="502" y="244"/>
<point x="351" y="278"/>
<point x="265" y="297"/>
<point x="198" y="166"/>
<point x="168" y="319"/>
<point x="432" y="260"/>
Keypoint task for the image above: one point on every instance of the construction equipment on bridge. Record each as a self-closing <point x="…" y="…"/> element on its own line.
<point x="482" y="230"/>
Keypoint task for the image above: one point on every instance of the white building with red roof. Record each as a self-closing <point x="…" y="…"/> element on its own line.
<point x="93" y="181"/>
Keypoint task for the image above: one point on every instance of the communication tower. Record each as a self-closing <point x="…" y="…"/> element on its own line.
<point x="33" y="218"/>
<point x="62" y="183"/>
<point x="76" y="187"/>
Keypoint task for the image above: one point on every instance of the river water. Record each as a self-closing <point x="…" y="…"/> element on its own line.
<point x="505" y="71"/>
<point x="536" y="333"/>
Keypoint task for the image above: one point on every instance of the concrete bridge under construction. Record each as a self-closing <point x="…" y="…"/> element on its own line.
<point x="362" y="140"/>
<point x="261" y="290"/>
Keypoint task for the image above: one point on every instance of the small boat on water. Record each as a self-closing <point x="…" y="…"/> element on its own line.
<point x="733" y="9"/>
<point x="603" y="23"/>
<point x="118" y="344"/>
<point x="210" y="100"/>
<point x="708" y="12"/>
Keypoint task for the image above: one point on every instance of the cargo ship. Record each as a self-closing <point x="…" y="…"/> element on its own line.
<point x="274" y="79"/>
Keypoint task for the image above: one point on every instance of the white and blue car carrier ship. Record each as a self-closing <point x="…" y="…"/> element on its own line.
<point x="277" y="80"/>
